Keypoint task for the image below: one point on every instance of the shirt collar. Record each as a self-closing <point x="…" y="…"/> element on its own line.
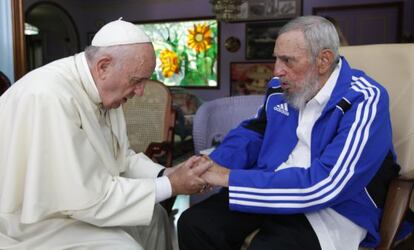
<point x="322" y="97"/>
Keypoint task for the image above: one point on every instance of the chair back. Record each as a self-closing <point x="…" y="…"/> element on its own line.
<point x="4" y="83"/>
<point x="149" y="118"/>
<point x="392" y="65"/>
<point x="214" y="119"/>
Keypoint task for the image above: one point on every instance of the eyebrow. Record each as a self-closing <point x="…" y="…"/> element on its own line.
<point x="283" y="57"/>
<point x="136" y="79"/>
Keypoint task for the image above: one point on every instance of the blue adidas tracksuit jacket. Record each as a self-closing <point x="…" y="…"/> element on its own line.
<point x="351" y="143"/>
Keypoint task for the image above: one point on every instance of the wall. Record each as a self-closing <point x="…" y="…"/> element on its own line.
<point x="408" y="18"/>
<point x="90" y="15"/>
<point x="6" y="41"/>
<point x="74" y="7"/>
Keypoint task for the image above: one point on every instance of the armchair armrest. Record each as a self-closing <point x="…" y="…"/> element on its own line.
<point x="396" y="205"/>
<point x="157" y="149"/>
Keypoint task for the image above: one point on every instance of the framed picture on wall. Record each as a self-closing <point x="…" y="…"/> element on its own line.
<point x="260" y="39"/>
<point x="250" y="78"/>
<point x="187" y="52"/>
<point x="253" y="10"/>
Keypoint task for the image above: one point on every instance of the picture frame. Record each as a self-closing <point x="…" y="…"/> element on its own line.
<point x="187" y="51"/>
<point x="254" y="10"/>
<point x="260" y="39"/>
<point x="250" y="78"/>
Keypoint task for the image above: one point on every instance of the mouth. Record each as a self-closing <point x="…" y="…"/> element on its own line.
<point x="284" y="85"/>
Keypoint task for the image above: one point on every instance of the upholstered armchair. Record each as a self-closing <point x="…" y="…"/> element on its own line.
<point x="393" y="66"/>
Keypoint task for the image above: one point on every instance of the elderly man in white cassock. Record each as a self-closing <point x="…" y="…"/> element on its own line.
<point x="68" y="179"/>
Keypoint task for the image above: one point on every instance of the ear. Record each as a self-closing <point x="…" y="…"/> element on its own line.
<point x="102" y="66"/>
<point x="324" y="61"/>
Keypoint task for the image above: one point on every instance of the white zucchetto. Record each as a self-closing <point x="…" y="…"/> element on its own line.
<point x="119" y="32"/>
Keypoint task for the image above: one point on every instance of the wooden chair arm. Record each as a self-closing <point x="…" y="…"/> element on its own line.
<point x="159" y="148"/>
<point x="396" y="205"/>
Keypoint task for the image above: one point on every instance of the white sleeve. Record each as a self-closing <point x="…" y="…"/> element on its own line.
<point x="163" y="189"/>
<point x="140" y="166"/>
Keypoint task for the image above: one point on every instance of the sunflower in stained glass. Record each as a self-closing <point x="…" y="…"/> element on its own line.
<point x="199" y="37"/>
<point x="169" y="62"/>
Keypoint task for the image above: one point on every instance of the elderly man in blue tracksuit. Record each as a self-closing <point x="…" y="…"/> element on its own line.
<point x="311" y="170"/>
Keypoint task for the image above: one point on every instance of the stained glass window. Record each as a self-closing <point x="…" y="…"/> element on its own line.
<point x="186" y="52"/>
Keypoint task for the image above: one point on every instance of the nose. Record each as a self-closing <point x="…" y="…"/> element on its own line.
<point x="279" y="69"/>
<point x="139" y="90"/>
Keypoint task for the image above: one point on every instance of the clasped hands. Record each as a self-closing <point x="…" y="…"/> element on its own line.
<point x="196" y="175"/>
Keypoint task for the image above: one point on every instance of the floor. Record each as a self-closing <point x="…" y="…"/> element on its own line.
<point x="182" y="151"/>
<point x="182" y="202"/>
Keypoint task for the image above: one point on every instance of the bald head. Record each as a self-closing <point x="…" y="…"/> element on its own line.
<point x="135" y="53"/>
<point x="120" y="72"/>
<point x="121" y="59"/>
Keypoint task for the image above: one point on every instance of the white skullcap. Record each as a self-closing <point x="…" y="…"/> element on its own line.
<point x="119" y="32"/>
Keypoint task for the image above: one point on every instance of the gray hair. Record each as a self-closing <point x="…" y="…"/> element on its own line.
<point x="318" y="32"/>
<point x="118" y="52"/>
<point x="91" y="52"/>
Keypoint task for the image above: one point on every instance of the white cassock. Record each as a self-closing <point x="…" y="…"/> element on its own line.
<point x="67" y="180"/>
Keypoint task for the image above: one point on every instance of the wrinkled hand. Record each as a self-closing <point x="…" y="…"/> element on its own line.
<point x="169" y="171"/>
<point x="185" y="178"/>
<point x="216" y="175"/>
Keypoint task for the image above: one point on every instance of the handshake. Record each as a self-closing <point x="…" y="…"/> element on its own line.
<point x="196" y="175"/>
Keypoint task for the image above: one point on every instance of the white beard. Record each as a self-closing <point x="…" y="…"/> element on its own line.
<point x="310" y="89"/>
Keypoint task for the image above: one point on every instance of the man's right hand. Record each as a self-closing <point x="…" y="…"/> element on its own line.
<point x="185" y="179"/>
